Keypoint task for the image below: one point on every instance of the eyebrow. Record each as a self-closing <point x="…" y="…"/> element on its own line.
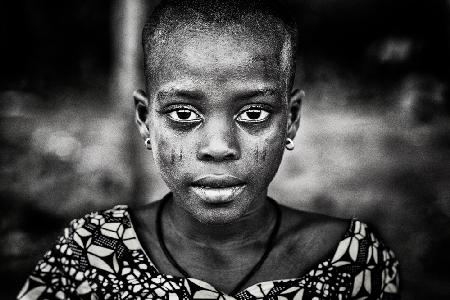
<point x="244" y="95"/>
<point x="198" y="95"/>
<point x="182" y="93"/>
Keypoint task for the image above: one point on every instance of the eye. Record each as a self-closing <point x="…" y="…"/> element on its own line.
<point x="184" y="115"/>
<point x="254" y="114"/>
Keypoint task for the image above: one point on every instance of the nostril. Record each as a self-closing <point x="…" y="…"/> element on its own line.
<point x="210" y="154"/>
<point x="207" y="157"/>
<point x="230" y="156"/>
<point x="215" y="157"/>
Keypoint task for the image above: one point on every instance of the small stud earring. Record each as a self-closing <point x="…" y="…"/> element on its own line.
<point x="148" y="144"/>
<point x="290" y="144"/>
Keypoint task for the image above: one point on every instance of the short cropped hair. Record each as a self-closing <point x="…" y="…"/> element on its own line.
<point x="268" y="15"/>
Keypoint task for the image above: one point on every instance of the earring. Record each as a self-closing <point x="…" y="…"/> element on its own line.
<point x="148" y="144"/>
<point x="290" y="144"/>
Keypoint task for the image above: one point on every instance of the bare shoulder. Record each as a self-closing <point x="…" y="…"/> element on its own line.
<point x="305" y="221"/>
<point x="311" y="235"/>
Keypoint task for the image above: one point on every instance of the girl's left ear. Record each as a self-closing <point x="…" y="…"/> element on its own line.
<point x="294" y="108"/>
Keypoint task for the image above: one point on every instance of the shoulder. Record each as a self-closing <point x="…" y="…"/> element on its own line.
<point x="95" y="234"/>
<point x="363" y="244"/>
<point x="332" y="233"/>
<point x="375" y="268"/>
<point x="310" y="226"/>
<point x="308" y="238"/>
<point x="106" y="228"/>
<point x="113" y="219"/>
<point x="86" y="243"/>
<point x="347" y="246"/>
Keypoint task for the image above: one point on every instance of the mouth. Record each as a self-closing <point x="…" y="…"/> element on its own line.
<point x="218" y="189"/>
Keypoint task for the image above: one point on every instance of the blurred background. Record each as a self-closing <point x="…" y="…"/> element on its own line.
<point x="374" y="140"/>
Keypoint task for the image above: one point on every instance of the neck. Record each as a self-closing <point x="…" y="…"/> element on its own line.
<point x="249" y="227"/>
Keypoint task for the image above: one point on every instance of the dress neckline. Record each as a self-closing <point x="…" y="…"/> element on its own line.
<point x="253" y="286"/>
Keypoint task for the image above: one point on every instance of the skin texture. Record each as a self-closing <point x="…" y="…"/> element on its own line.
<point x="218" y="80"/>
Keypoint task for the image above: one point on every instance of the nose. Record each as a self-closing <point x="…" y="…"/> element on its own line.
<point x="218" y="143"/>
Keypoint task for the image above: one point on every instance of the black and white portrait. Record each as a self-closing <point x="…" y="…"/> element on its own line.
<point x="225" y="149"/>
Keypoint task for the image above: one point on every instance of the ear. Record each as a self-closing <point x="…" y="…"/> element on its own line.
<point x="142" y="112"/>
<point x="294" y="108"/>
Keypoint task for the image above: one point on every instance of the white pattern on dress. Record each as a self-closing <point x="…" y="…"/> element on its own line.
<point x="100" y="257"/>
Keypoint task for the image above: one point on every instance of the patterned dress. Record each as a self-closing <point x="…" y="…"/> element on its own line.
<point x="100" y="257"/>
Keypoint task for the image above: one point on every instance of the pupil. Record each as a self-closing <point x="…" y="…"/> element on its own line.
<point x="184" y="114"/>
<point x="254" y="114"/>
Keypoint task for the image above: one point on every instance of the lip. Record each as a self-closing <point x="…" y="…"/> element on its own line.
<point x="217" y="181"/>
<point x="218" y="189"/>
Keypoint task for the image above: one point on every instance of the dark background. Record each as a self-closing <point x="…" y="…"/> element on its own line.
<point x="374" y="140"/>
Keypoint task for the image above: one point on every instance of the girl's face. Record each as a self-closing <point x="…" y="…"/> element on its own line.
<point x="218" y="117"/>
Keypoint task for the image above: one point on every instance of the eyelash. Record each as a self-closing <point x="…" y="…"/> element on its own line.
<point x="179" y="108"/>
<point x="263" y="109"/>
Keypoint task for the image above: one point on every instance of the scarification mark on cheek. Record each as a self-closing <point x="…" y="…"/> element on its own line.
<point x="257" y="154"/>
<point x="180" y="155"/>
<point x="172" y="156"/>
<point x="264" y="151"/>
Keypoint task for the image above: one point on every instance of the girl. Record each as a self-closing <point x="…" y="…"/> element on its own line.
<point x="218" y="112"/>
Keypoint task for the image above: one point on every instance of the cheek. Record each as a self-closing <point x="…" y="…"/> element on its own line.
<point x="266" y="156"/>
<point x="265" y="151"/>
<point x="270" y="146"/>
<point x="176" y="155"/>
<point x="170" y="156"/>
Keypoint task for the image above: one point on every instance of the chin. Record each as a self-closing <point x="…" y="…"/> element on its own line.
<point x="218" y="214"/>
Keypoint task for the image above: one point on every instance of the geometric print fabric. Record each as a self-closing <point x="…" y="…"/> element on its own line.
<point x="100" y="257"/>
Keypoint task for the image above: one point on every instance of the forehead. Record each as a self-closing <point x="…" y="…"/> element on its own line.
<point x="217" y="56"/>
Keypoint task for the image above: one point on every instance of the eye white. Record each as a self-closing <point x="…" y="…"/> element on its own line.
<point x="253" y="115"/>
<point x="183" y="115"/>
